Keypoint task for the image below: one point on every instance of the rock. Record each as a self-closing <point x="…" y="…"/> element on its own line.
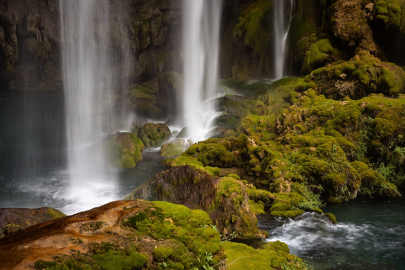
<point x="175" y="148"/>
<point x="154" y="135"/>
<point x="122" y="150"/>
<point x="16" y="219"/>
<point x="184" y="133"/>
<point x="225" y="199"/>
<point x="119" y="235"/>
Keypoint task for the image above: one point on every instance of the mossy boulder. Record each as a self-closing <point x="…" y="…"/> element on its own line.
<point x="129" y="235"/>
<point x="272" y="255"/>
<point x="360" y="76"/>
<point x="154" y="134"/>
<point x="13" y="220"/>
<point x="225" y="199"/>
<point x="122" y="150"/>
<point x="175" y="148"/>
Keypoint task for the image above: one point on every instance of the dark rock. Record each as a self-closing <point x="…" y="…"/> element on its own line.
<point x="16" y="219"/>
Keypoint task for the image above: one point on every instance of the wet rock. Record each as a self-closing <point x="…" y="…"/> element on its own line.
<point x="175" y="148"/>
<point x="122" y="150"/>
<point x="154" y="135"/>
<point x="13" y="220"/>
<point x="224" y="199"/>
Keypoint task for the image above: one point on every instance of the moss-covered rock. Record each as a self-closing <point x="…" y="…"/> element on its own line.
<point x="175" y="148"/>
<point x="272" y="255"/>
<point x="131" y="235"/>
<point x="154" y="135"/>
<point x="225" y="199"/>
<point x="122" y="150"/>
<point x="360" y="76"/>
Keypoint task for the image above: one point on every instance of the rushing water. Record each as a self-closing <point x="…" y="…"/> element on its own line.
<point x="33" y="159"/>
<point x="370" y="234"/>
<point x="201" y="26"/>
<point x="87" y="85"/>
<point x="280" y="35"/>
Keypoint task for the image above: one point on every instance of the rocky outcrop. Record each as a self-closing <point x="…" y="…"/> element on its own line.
<point x="118" y="235"/>
<point x="13" y="220"/>
<point x="224" y="199"/>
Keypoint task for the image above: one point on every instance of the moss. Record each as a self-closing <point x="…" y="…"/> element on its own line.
<point x="235" y="176"/>
<point x="174" y="148"/>
<point x="161" y="253"/>
<point x="55" y="214"/>
<point x="11" y="228"/>
<point x="154" y="135"/>
<point x="271" y="255"/>
<point x="228" y="187"/>
<point x="389" y="12"/>
<point x="257" y="208"/>
<point x="318" y="54"/>
<point x="122" y="150"/>
<point x="252" y="26"/>
<point x="331" y="217"/>
<point x="115" y="260"/>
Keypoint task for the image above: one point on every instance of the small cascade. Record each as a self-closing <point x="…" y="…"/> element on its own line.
<point x="280" y="36"/>
<point x="87" y="85"/>
<point x="201" y="52"/>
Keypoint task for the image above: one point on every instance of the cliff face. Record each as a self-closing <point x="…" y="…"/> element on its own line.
<point x="29" y="45"/>
<point x="145" y="32"/>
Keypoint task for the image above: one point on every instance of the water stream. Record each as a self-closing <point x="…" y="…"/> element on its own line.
<point x="87" y="86"/>
<point x="280" y="36"/>
<point x="370" y="234"/>
<point x="201" y="24"/>
<point x="34" y="159"/>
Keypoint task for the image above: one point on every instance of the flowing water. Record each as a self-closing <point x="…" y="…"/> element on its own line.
<point x="370" y="234"/>
<point x="280" y="35"/>
<point x="201" y="53"/>
<point x="87" y="80"/>
<point x="33" y="159"/>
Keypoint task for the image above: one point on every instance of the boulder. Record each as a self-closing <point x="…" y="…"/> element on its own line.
<point x="175" y="148"/>
<point x="122" y="150"/>
<point x="13" y="220"/>
<point x="118" y="235"/>
<point x="154" y="135"/>
<point x="224" y="199"/>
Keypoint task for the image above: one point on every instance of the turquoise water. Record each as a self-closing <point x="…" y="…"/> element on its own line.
<point x="370" y="234"/>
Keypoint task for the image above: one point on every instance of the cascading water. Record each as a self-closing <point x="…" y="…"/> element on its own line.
<point x="87" y="86"/>
<point x="201" y="51"/>
<point x="280" y="36"/>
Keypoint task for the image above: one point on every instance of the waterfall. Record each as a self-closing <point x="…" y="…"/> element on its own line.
<point x="280" y="36"/>
<point x="201" y="26"/>
<point x="87" y="85"/>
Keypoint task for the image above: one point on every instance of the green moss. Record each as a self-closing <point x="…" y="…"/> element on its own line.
<point x="123" y="150"/>
<point x="271" y="255"/>
<point x="257" y="208"/>
<point x="55" y="214"/>
<point x="252" y="26"/>
<point x="163" y="252"/>
<point x="228" y="187"/>
<point x="115" y="260"/>
<point x="172" y="149"/>
<point x="318" y="54"/>
<point x="389" y="12"/>
<point x="154" y="135"/>
<point x="331" y="217"/>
